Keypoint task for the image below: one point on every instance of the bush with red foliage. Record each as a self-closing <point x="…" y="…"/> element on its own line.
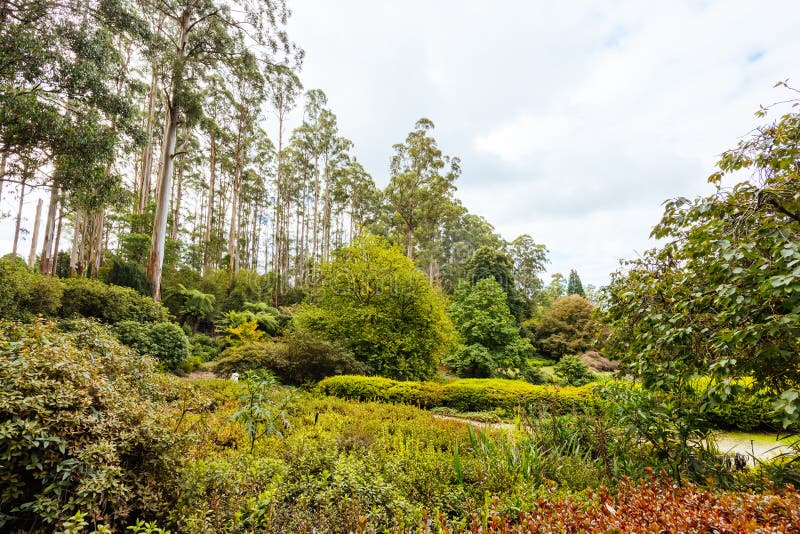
<point x="658" y="505"/>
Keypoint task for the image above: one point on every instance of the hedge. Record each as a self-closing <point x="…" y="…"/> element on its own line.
<point x="466" y="395"/>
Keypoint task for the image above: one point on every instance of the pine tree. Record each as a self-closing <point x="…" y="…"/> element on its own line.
<point x="574" y="285"/>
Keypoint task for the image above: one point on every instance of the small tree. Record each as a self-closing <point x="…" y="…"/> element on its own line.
<point x="374" y="301"/>
<point x="492" y="345"/>
<point x="567" y="327"/>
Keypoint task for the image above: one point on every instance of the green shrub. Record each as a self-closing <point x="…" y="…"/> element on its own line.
<point x="24" y="293"/>
<point x="466" y="395"/>
<point x="247" y="356"/>
<point x="746" y="410"/>
<point x="79" y="430"/>
<point x="165" y="341"/>
<point x="128" y="274"/>
<point x="573" y="372"/>
<point x="203" y="347"/>
<point x="110" y="304"/>
<point x="372" y="299"/>
<point x="298" y="359"/>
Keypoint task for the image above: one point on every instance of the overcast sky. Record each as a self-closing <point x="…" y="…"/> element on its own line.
<point x="574" y="120"/>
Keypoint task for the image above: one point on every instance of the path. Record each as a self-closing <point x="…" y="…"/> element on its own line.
<point x="763" y="448"/>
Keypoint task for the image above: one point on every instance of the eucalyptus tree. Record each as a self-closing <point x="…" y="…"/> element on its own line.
<point x="202" y="35"/>
<point x="529" y="260"/>
<point x="248" y="93"/>
<point x="66" y="100"/>
<point x="420" y="191"/>
<point x="216" y="117"/>
<point x="283" y="88"/>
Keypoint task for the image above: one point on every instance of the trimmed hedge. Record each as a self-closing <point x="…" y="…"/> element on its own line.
<point x="466" y="395"/>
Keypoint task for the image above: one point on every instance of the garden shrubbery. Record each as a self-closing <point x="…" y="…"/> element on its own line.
<point x="24" y="293"/>
<point x="109" y="304"/>
<point x="297" y="359"/>
<point x="467" y="395"/>
<point x="81" y="429"/>
<point x="164" y="341"/>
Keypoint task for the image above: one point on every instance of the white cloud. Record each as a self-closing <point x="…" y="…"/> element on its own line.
<point x="574" y="120"/>
<point x="524" y="136"/>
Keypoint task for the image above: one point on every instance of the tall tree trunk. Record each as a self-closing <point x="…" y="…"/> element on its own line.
<point x="176" y="212"/>
<point x="97" y="244"/>
<point x="19" y="216"/>
<point x="233" y="237"/>
<point x="147" y="153"/>
<point x="156" y="262"/>
<point x="57" y="241"/>
<point x="278" y="212"/>
<point x="210" y="215"/>
<point x="3" y="162"/>
<point x="49" y="231"/>
<point x="73" y="253"/>
<point x="35" y="238"/>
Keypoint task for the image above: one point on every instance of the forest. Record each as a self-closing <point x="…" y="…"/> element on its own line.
<point x="220" y="323"/>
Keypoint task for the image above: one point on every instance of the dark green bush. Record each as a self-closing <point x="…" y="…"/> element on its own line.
<point x="79" y="430"/>
<point x="204" y="347"/>
<point x="297" y="359"/>
<point x="164" y="341"/>
<point x="573" y="372"/>
<point x="746" y="410"/>
<point x="128" y="274"/>
<point x="110" y="304"/>
<point x="467" y="395"/>
<point x="23" y="293"/>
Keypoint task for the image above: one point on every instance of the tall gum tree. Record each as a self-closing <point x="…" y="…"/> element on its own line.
<point x="202" y="35"/>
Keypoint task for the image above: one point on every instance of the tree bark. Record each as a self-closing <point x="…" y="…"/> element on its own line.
<point x="19" y="217"/>
<point x="49" y="231"/>
<point x="73" y="253"/>
<point x="212" y="161"/>
<point x="156" y="262"/>
<point x="57" y="241"/>
<point x="35" y="237"/>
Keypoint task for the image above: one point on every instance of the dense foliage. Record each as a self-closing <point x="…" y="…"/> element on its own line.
<point x="299" y="358"/>
<point x="568" y="326"/>
<point x="164" y="341"/>
<point x="82" y="429"/>
<point x="722" y="296"/>
<point x="468" y="395"/>
<point x="373" y="300"/>
<point x="492" y="345"/>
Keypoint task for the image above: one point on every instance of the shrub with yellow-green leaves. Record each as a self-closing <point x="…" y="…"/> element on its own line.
<point x="467" y="395"/>
<point x="79" y="430"/>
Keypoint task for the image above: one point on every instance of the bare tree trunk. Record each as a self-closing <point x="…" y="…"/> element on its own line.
<point x="147" y="153"/>
<point x="233" y="237"/>
<point x="156" y="263"/>
<point x="276" y="257"/>
<point x="35" y="238"/>
<point x="84" y="238"/>
<point x="19" y="216"/>
<point x="49" y="231"/>
<point x="73" y="253"/>
<point x="98" y="242"/>
<point x="57" y="241"/>
<point x="3" y="162"/>
<point x="176" y="212"/>
<point x="210" y="215"/>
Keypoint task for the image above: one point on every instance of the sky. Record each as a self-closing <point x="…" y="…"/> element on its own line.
<point x="574" y="121"/>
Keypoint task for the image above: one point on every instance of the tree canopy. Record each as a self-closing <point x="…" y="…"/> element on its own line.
<point x="374" y="300"/>
<point x="722" y="296"/>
